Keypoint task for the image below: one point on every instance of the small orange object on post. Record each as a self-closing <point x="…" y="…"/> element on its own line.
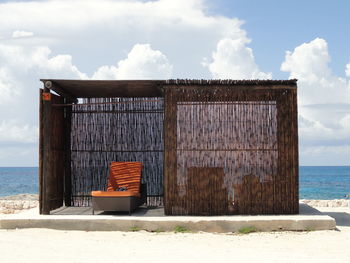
<point x="46" y="96"/>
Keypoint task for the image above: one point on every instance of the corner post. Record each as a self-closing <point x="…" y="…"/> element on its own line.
<point x="45" y="139"/>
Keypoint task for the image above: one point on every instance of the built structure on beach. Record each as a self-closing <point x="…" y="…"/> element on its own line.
<point x="208" y="147"/>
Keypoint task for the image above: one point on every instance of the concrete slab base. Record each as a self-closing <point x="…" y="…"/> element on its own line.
<point x="308" y="220"/>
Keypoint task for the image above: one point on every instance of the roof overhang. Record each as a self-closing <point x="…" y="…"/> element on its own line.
<point x="73" y="89"/>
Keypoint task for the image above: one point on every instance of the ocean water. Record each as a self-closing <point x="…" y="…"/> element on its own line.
<point x="315" y="182"/>
<point x="324" y="182"/>
<point x="18" y="180"/>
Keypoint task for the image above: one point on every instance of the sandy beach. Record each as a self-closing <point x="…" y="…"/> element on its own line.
<point x="45" y="245"/>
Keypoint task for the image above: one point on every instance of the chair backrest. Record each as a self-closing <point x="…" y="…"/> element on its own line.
<point x="125" y="174"/>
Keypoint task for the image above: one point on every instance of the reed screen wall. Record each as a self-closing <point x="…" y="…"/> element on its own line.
<point x="230" y="150"/>
<point x="116" y="129"/>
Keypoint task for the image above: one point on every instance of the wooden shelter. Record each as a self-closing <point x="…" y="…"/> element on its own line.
<point x="208" y="147"/>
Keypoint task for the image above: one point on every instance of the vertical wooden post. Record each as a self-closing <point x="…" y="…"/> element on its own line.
<point x="295" y="152"/>
<point x="45" y="139"/>
<point x="279" y="180"/>
<point x="52" y="151"/>
<point x="170" y="154"/>
<point x="67" y="155"/>
<point x="286" y="181"/>
<point x="40" y="149"/>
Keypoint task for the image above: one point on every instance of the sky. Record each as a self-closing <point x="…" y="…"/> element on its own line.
<point x="205" y="39"/>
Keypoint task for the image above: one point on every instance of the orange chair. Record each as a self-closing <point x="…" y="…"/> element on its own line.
<point x="125" y="175"/>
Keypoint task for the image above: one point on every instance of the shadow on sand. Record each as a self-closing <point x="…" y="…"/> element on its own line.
<point x="342" y="219"/>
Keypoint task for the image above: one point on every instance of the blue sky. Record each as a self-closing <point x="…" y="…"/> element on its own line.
<point x="277" y="26"/>
<point x="134" y="39"/>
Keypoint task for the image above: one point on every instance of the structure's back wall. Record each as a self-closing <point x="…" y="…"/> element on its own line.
<point x="129" y="130"/>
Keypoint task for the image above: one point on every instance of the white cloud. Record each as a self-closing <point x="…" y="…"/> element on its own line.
<point x="7" y="91"/>
<point x="27" y="60"/>
<point x="76" y="15"/>
<point x="104" y="32"/>
<point x="21" y="67"/>
<point x="311" y="129"/>
<point x="347" y="70"/>
<point x="309" y="64"/>
<point x="345" y="122"/>
<point x="10" y="132"/>
<point x="308" y="61"/>
<point x="325" y="155"/>
<point x="234" y="60"/>
<point x="324" y="101"/>
<point x="63" y="65"/>
<point x="19" y="33"/>
<point x="142" y="62"/>
<point x="106" y="72"/>
<point x="100" y="32"/>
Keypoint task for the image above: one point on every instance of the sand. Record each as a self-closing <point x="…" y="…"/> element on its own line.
<point x="44" y="245"/>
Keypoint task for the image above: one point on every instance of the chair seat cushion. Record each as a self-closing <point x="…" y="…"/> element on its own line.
<point x="114" y="193"/>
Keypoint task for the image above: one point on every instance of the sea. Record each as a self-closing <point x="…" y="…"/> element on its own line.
<point x="315" y="182"/>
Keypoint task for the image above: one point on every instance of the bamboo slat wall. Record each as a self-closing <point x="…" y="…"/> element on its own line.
<point x="129" y="130"/>
<point x="230" y="150"/>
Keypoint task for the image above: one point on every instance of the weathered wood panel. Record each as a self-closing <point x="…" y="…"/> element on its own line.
<point x="41" y="151"/>
<point x="51" y="147"/>
<point x="46" y="159"/>
<point x="57" y="154"/>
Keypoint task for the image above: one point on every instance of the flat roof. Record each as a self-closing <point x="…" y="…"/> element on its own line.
<point x="145" y="88"/>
